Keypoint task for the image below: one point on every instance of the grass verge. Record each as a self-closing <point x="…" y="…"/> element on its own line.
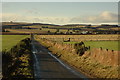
<point x="17" y="62"/>
<point x="83" y="63"/>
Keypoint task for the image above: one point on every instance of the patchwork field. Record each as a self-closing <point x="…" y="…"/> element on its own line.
<point x="110" y="42"/>
<point x="8" y="41"/>
<point x="37" y="30"/>
<point x="25" y="31"/>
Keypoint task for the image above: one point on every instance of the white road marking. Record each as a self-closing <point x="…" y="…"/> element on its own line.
<point x="37" y="68"/>
<point x="36" y="63"/>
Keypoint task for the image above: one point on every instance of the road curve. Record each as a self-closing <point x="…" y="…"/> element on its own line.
<point x="47" y="66"/>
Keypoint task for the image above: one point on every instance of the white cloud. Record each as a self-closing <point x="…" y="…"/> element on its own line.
<point x="104" y="17"/>
<point x="18" y="17"/>
<point x="14" y="17"/>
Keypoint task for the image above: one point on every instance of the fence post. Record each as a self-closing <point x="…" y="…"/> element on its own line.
<point x="106" y="49"/>
<point x="112" y="50"/>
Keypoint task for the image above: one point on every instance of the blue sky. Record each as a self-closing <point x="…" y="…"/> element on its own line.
<point x="61" y="12"/>
<point x="60" y="0"/>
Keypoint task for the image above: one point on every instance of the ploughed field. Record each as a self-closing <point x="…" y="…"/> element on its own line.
<point x="78" y="38"/>
<point x="8" y="41"/>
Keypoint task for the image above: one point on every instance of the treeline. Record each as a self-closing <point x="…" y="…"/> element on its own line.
<point x="17" y="63"/>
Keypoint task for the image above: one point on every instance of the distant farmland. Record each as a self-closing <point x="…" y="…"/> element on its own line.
<point x="42" y="31"/>
<point x="8" y="41"/>
<point x="110" y="42"/>
<point x="78" y="38"/>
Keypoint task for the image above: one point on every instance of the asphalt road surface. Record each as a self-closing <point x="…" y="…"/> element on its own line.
<point x="47" y="66"/>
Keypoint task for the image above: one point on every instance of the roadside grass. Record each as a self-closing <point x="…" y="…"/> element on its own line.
<point x="85" y="64"/>
<point x="17" y="62"/>
<point x="8" y="41"/>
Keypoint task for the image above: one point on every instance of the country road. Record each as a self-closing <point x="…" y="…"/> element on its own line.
<point x="47" y="66"/>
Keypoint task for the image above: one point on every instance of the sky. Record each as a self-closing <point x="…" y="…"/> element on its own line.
<point x="60" y="0"/>
<point x="61" y="12"/>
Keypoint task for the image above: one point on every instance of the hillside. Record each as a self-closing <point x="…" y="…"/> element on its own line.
<point x="63" y="29"/>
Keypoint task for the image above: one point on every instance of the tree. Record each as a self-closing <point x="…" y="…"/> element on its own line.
<point x="68" y="30"/>
<point x="57" y="30"/>
<point x="49" y="31"/>
<point x="40" y="28"/>
<point x="3" y="30"/>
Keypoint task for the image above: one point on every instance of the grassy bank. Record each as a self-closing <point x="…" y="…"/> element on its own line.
<point x="83" y="63"/>
<point x="17" y="62"/>
<point x="8" y="41"/>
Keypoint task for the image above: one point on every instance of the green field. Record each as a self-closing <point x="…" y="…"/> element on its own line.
<point x="8" y="41"/>
<point x="111" y="45"/>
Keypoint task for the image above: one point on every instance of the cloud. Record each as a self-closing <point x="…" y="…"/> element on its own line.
<point x="32" y="11"/>
<point x="76" y="19"/>
<point x="104" y="17"/>
<point x="40" y="19"/>
<point x="14" y="17"/>
<point x="53" y="20"/>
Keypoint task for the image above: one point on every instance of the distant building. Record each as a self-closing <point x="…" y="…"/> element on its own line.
<point x="85" y="32"/>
